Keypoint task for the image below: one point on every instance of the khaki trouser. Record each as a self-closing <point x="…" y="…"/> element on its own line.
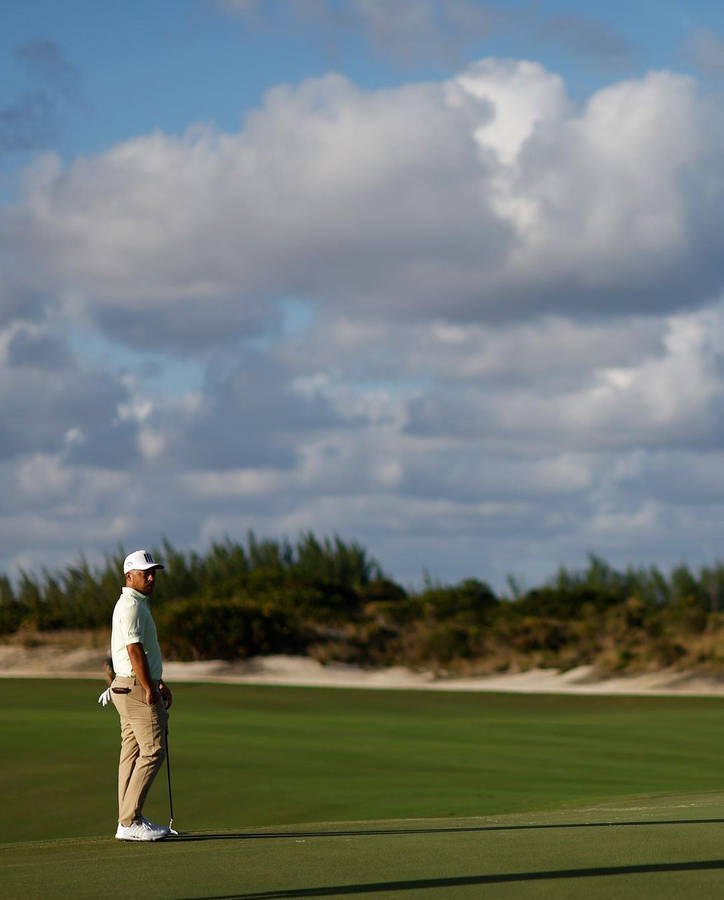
<point x="143" y="742"/>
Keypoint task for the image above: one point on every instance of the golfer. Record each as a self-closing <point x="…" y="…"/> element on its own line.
<point x="139" y="695"/>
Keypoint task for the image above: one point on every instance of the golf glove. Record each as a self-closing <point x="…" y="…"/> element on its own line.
<point x="105" y="697"/>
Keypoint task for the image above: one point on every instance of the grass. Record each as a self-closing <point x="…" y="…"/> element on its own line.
<point x="290" y="792"/>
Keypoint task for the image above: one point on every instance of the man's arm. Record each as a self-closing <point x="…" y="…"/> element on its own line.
<point x="140" y="666"/>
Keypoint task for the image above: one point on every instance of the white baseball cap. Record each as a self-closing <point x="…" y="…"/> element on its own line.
<point x="140" y="559"/>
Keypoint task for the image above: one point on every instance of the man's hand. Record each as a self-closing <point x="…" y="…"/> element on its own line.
<point x="152" y="695"/>
<point x="166" y="694"/>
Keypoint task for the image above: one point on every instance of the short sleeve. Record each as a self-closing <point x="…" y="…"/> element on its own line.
<point x="130" y="625"/>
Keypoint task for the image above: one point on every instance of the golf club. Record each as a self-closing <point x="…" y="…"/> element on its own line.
<point x="170" y="796"/>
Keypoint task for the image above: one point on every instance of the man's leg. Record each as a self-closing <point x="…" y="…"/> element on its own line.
<point x="144" y="728"/>
<point x="149" y="728"/>
<point x="126" y="765"/>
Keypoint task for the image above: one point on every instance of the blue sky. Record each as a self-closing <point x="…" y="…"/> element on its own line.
<point x="443" y="277"/>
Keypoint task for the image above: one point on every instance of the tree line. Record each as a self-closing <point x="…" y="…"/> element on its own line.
<point x="331" y="600"/>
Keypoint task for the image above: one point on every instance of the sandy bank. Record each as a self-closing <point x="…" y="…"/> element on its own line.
<point x="58" y="662"/>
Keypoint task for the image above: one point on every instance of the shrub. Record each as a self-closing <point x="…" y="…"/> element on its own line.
<point x="225" y="629"/>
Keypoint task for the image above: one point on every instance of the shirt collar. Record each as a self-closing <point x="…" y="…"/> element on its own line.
<point x="133" y="594"/>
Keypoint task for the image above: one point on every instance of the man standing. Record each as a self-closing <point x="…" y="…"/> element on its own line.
<point x="140" y="696"/>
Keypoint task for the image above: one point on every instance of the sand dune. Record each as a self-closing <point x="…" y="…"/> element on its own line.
<point x="57" y="662"/>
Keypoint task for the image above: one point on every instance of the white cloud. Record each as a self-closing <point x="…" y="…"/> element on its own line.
<point x="233" y="483"/>
<point x="486" y="197"/>
<point x="513" y="340"/>
<point x="672" y="395"/>
<point x="522" y="95"/>
<point x="604" y="199"/>
<point x="53" y="402"/>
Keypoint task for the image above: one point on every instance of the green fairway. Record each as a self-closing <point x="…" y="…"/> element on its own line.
<point x="446" y="793"/>
<point x="249" y="756"/>
<point x="667" y="848"/>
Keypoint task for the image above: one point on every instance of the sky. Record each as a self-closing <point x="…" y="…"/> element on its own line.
<point x="443" y="278"/>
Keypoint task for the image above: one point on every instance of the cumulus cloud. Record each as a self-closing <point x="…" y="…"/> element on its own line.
<point x="621" y="192"/>
<point x="554" y="353"/>
<point x="299" y="202"/>
<point x="672" y="397"/>
<point x="18" y="300"/>
<point x="247" y="415"/>
<point x="487" y="197"/>
<point x="514" y="332"/>
<point x="53" y="403"/>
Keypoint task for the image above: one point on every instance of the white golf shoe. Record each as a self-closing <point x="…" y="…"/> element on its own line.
<point x="141" y="831"/>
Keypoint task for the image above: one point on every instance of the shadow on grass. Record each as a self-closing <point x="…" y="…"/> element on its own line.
<point x="251" y="836"/>
<point x="468" y="880"/>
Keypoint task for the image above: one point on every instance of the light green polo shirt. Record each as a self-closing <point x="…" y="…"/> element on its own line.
<point x="133" y="624"/>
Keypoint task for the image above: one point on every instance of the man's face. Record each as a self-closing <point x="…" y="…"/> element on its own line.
<point x="142" y="580"/>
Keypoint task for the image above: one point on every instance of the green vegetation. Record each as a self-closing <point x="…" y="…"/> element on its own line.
<point x="244" y="756"/>
<point x="663" y="849"/>
<point x="287" y="792"/>
<point x="330" y="600"/>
